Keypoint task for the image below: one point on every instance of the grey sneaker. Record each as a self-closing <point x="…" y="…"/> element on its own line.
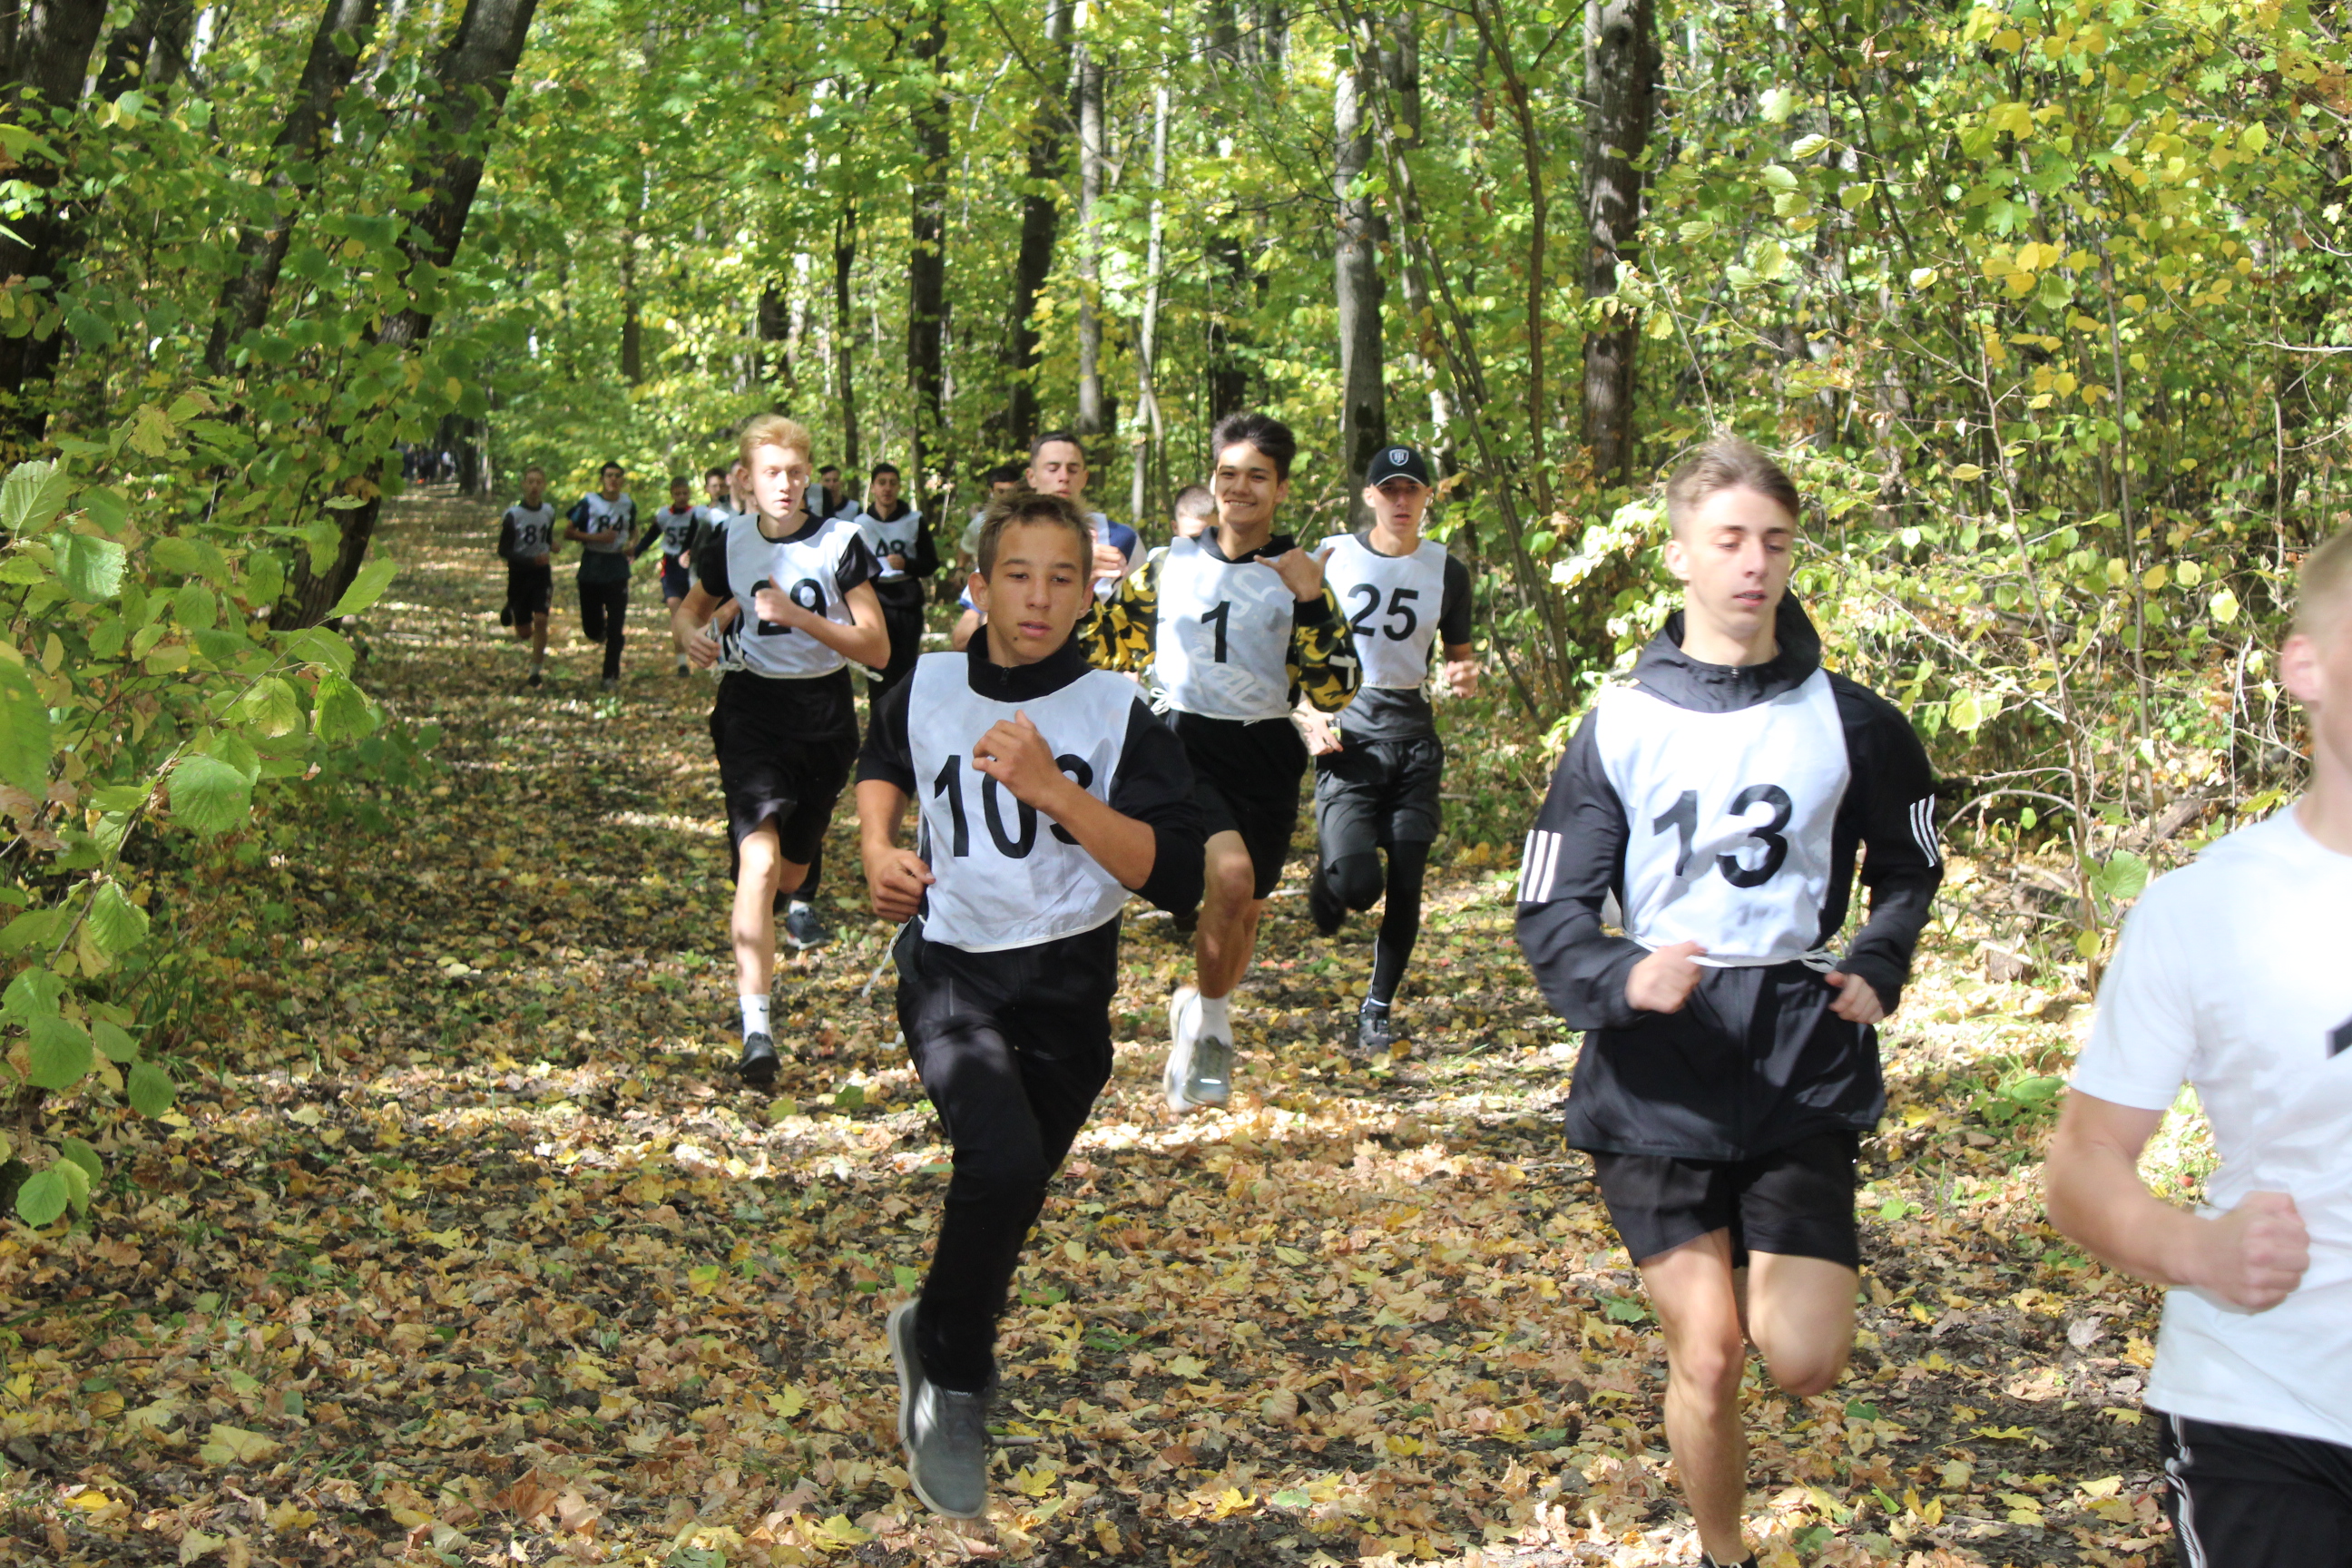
<point x="1374" y="1036"/>
<point x="612" y="683"/>
<point x="1199" y="1070"/>
<point x="802" y="928"/>
<point x="759" y="1063"/>
<point x="945" y="1433"/>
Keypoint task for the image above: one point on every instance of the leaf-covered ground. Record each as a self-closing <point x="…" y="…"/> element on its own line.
<point x="471" y="1249"/>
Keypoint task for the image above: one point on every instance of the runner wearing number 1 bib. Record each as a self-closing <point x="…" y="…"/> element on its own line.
<point x="1237" y="625"/>
<point x="1720" y="794"/>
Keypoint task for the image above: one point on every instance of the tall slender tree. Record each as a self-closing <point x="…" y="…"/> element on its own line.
<point x="1040" y="219"/>
<point x="1363" y="398"/>
<point x="41" y="78"/>
<point x="1619" y="70"/>
<point x="1090" y="191"/>
<point x="927" y="265"/>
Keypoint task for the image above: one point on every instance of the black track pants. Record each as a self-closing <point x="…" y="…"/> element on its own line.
<point x="603" y="606"/>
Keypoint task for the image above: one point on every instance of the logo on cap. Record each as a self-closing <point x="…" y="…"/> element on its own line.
<point x="1398" y="454"/>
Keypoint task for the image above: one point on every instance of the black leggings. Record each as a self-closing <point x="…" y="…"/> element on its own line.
<point x="604" y="607"/>
<point x="1357" y="880"/>
<point x="1012" y="1047"/>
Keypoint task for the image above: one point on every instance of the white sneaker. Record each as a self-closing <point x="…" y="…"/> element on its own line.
<point x="1199" y="1070"/>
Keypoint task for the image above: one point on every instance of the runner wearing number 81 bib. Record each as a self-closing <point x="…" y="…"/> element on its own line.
<point x="1720" y="794"/>
<point x="1238" y="625"/>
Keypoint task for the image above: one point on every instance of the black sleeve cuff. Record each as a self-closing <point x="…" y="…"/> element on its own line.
<point x="1313" y="612"/>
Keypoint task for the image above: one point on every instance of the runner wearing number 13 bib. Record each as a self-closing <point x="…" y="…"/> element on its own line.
<point x="1720" y="795"/>
<point x="1238" y="625"/>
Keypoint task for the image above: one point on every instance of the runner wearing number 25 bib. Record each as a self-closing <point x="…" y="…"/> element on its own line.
<point x="1720" y="794"/>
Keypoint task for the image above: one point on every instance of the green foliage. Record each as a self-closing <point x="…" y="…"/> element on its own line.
<point x="145" y="703"/>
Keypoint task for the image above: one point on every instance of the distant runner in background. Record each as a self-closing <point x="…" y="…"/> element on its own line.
<point x="901" y="541"/>
<point x="527" y="544"/>
<point x="1379" y="764"/>
<point x="601" y="522"/>
<point x="683" y="525"/>
<point x="1057" y="467"/>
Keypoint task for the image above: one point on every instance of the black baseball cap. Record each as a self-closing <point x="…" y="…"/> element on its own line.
<point x="1392" y="462"/>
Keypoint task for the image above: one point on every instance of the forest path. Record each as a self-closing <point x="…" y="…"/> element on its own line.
<point x="477" y="1252"/>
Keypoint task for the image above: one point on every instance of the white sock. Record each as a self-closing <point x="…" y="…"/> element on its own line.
<point x="755" y="1016"/>
<point x="795" y="905"/>
<point x="1215" y="1018"/>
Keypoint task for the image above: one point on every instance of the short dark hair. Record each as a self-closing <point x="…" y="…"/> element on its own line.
<point x="879" y="469"/>
<point x="1194" y="500"/>
<point x="1002" y="474"/>
<point x="1053" y="437"/>
<point x="829" y="469"/>
<point x="611" y="467"/>
<point x="1264" y="431"/>
<point x="714" y="473"/>
<point x="678" y="479"/>
<point x="534" y="468"/>
<point x="1029" y="507"/>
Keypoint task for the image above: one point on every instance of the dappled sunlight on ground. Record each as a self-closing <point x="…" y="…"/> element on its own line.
<point x="475" y="1249"/>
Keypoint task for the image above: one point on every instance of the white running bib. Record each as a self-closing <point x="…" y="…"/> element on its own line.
<point x="1006" y="876"/>
<point x="1729" y="818"/>
<point x="895" y="537"/>
<point x="1391" y="604"/>
<point x="807" y="569"/>
<point x="1222" y="647"/>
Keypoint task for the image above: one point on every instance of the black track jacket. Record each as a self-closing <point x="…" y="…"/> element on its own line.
<point x="1755" y="1061"/>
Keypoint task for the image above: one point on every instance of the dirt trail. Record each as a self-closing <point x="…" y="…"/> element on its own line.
<point x="473" y="1251"/>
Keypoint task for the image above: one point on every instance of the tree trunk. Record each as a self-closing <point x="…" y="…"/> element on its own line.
<point x="927" y="268"/>
<point x="633" y="327"/>
<point x="1620" y="66"/>
<point x="772" y="327"/>
<point x="473" y="72"/>
<point x="1229" y="379"/>
<point x="1041" y="219"/>
<point x="261" y="248"/>
<point x="1150" y="458"/>
<point x="1495" y="34"/>
<point x="1363" y="407"/>
<point x="1090" y="186"/>
<point x="138" y="54"/>
<point x="45" y="70"/>
<point x="1401" y="69"/>
<point x="845" y="328"/>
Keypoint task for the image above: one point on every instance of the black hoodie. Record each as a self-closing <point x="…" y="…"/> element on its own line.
<point x="1754" y="1060"/>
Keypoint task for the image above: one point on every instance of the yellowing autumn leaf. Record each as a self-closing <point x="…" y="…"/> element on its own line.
<point x="236" y="1446"/>
<point x="1034" y="1480"/>
<point x="1185" y="1366"/>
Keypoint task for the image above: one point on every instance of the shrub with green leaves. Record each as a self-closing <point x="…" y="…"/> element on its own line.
<point x="144" y="699"/>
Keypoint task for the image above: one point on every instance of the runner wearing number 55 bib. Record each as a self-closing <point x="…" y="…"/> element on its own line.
<point x="1720" y="794"/>
<point x="1237" y="625"/>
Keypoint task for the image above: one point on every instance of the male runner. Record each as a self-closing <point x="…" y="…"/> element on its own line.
<point x="1730" y="1063"/>
<point x="682" y="524"/>
<point x="901" y="540"/>
<point x="783" y="725"/>
<point x="1057" y="467"/>
<point x="717" y="506"/>
<point x="1003" y="480"/>
<point x="1048" y="792"/>
<point x="600" y="523"/>
<point x="1379" y="764"/>
<point x="1196" y="510"/>
<point x="822" y="499"/>
<point x="527" y="544"/>
<point x="1237" y="624"/>
<point x="2231" y="977"/>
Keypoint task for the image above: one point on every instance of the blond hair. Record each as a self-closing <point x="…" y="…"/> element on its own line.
<point x="2322" y="585"/>
<point x="1728" y="463"/>
<point x="775" y="430"/>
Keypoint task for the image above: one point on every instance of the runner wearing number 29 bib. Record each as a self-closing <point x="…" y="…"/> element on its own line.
<point x="1237" y="624"/>
<point x="1720" y="794"/>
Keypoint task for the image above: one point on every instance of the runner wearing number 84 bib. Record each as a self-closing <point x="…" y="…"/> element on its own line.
<point x="1719" y="794"/>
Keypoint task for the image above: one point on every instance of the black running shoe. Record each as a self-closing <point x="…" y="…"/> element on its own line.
<point x="803" y="929"/>
<point x="1322" y="904"/>
<point x="535" y="679"/>
<point x="506" y="615"/>
<point x="759" y="1065"/>
<point x="1373" y="1035"/>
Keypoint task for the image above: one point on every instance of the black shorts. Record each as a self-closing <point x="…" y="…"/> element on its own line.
<point x="774" y="764"/>
<point x="677" y="577"/>
<point x="530" y="590"/>
<point x="1797" y="1200"/>
<point x="2242" y="1497"/>
<point x="1370" y="795"/>
<point x="1246" y="775"/>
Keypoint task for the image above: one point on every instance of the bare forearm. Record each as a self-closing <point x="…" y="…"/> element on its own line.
<point x="2096" y="1199"/>
<point x="1119" y="844"/>
<point x="881" y="807"/>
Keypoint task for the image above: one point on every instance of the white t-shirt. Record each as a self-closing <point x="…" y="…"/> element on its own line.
<point x="2232" y="976"/>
